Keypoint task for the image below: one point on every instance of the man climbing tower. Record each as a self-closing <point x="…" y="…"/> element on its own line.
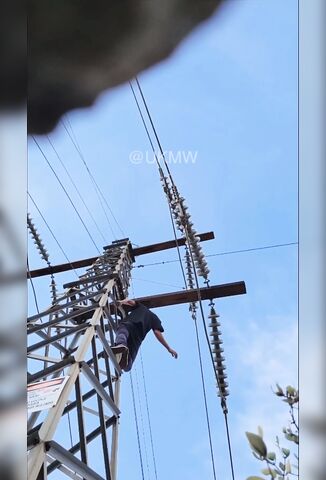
<point x="132" y="330"/>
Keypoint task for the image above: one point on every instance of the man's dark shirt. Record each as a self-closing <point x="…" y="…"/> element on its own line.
<point x="139" y="321"/>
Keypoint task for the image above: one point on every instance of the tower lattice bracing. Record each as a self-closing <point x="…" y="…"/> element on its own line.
<point x="73" y="338"/>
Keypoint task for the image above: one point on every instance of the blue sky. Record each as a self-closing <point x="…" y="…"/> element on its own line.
<point x="228" y="93"/>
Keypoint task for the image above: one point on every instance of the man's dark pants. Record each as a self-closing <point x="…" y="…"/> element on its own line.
<point x="124" y="337"/>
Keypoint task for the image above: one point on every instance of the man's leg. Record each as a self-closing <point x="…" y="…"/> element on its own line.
<point x="121" y="349"/>
<point x="122" y="335"/>
<point x="132" y="357"/>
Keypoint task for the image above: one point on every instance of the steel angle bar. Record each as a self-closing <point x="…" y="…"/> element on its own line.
<point x="115" y="433"/>
<point x="81" y="425"/>
<point x="107" y="371"/>
<point x="112" y="322"/>
<point x="74" y="341"/>
<point x="69" y="293"/>
<point x="107" y="349"/>
<point x="91" y="279"/>
<point x="105" y="447"/>
<point x="94" y="412"/>
<point x="66" y="316"/>
<point x="54" y="344"/>
<point x="69" y="460"/>
<point x="43" y="358"/>
<point x="69" y="473"/>
<point x="50" y="340"/>
<point x="99" y="389"/>
<point x="49" y="370"/>
<point x="91" y="436"/>
<point x="58" y="307"/>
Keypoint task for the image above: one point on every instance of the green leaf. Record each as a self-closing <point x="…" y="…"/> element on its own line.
<point x="255" y="478"/>
<point x="286" y="452"/>
<point x="257" y="444"/>
<point x="290" y="390"/>
<point x="292" y="438"/>
<point x="271" y="456"/>
<point x="265" y="471"/>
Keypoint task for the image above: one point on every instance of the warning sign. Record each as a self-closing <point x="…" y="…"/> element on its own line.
<point x="45" y="394"/>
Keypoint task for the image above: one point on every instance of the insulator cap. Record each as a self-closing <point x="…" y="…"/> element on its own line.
<point x="218" y="358"/>
<point x="214" y="324"/>
<point x="218" y="350"/>
<point x="224" y="394"/>
<point x="215" y="333"/>
<point x="222" y="385"/>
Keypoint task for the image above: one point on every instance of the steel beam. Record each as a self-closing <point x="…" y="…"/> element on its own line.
<point x="41" y="344"/>
<point x="189" y="296"/>
<point x="81" y="426"/>
<point x="107" y="349"/>
<point x="69" y="460"/>
<point x="156" y="247"/>
<point x="99" y="389"/>
<point x="115" y="434"/>
<point x="91" y="436"/>
<point x="49" y="370"/>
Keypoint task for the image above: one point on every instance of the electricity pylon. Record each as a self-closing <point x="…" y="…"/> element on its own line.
<point x="74" y="337"/>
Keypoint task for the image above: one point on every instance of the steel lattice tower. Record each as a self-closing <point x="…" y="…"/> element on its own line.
<point x="79" y="330"/>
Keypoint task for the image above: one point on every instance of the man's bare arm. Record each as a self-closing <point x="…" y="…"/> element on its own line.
<point x="127" y="301"/>
<point x="162" y="340"/>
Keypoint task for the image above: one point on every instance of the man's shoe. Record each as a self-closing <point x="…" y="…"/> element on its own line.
<point x="122" y="355"/>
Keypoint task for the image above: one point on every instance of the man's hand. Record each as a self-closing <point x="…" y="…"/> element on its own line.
<point x="126" y="301"/>
<point x="173" y="353"/>
<point x="162" y="340"/>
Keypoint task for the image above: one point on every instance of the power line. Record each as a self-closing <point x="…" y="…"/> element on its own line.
<point x="153" y="128"/>
<point x="148" y="415"/>
<point x="223" y="400"/>
<point x="146" y="128"/>
<point x="137" y="427"/>
<point x="229" y="442"/>
<point x="77" y="190"/>
<point x="146" y="399"/>
<point x="142" y="422"/>
<point x="98" y="190"/>
<point x="158" y="283"/>
<point x="158" y="163"/>
<point x="51" y="231"/>
<point x="182" y="269"/>
<point x="232" y="252"/>
<point x="67" y="194"/>
<point x="205" y="399"/>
